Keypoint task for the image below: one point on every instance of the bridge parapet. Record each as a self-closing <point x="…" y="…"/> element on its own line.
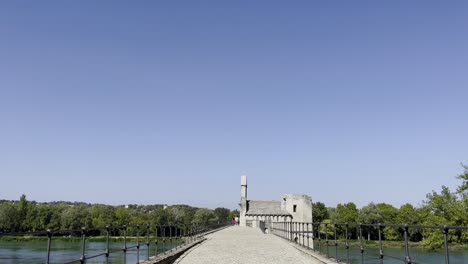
<point x="321" y="237"/>
<point x="141" y="241"/>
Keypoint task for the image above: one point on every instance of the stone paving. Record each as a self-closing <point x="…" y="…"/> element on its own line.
<point x="244" y="245"/>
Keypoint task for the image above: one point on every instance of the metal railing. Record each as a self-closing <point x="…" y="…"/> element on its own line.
<point x="165" y="238"/>
<point x="314" y="235"/>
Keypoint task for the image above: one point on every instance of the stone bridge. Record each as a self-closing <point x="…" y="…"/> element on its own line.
<point x="236" y="244"/>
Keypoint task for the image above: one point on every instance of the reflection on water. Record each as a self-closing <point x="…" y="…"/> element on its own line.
<point x="12" y="252"/>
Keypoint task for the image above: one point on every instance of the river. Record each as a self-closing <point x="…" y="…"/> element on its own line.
<point x="28" y="252"/>
<point x="396" y="255"/>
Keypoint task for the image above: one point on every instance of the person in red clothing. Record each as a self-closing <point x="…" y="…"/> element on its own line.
<point x="233" y="221"/>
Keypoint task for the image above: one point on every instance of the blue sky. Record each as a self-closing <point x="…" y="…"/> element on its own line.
<point x="171" y="102"/>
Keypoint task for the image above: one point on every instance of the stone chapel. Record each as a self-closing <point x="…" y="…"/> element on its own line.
<point x="291" y="207"/>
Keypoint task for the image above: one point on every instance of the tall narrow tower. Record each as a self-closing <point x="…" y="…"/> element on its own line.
<point x="243" y="201"/>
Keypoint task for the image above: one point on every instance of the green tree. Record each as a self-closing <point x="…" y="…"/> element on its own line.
<point x="332" y="216"/>
<point x="463" y="188"/>
<point x="55" y="211"/>
<point x="160" y="216"/>
<point x="189" y="214"/>
<point x="102" y="215"/>
<point x="23" y="207"/>
<point x="123" y="216"/>
<point x="389" y="216"/>
<point x="204" y="215"/>
<point x="408" y="214"/>
<point x="370" y="214"/>
<point x="326" y="228"/>
<point x="222" y="214"/>
<point x="445" y="208"/>
<point x="9" y="217"/>
<point x="76" y="217"/>
<point x="177" y="213"/>
<point x="319" y="212"/>
<point x="443" y="205"/>
<point x="33" y="220"/>
<point x="346" y="213"/>
<point x="388" y="212"/>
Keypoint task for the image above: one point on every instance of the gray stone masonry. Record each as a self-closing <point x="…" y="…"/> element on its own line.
<point x="243" y="245"/>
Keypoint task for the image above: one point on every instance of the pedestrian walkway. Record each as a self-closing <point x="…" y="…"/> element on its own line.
<point x="245" y="245"/>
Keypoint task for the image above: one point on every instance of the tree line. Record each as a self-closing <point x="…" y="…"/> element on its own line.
<point x="439" y="208"/>
<point x="30" y="216"/>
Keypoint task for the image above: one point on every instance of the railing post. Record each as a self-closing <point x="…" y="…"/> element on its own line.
<point x="49" y="244"/>
<point x="190" y="234"/>
<point x="346" y="242"/>
<point x="156" y="237"/>
<point x="407" y="257"/>
<point x="147" y="242"/>
<point x="170" y="238"/>
<point x="107" y="245"/>
<point x="319" y="237"/>
<point x="163" y="239"/>
<point x="290" y="230"/>
<point x="125" y="243"/>
<point x="285" y="229"/>
<point x="312" y="235"/>
<point x="280" y="229"/>
<point x="361" y="245"/>
<point x="83" y="245"/>
<point x="308" y="235"/>
<point x="336" y="244"/>
<point x="298" y="233"/>
<point x="138" y="243"/>
<point x="445" y="232"/>
<point x="303" y="234"/>
<point x="195" y="230"/>
<point x="181" y="235"/>
<point x="326" y="239"/>
<point x="294" y="229"/>
<point x="175" y="236"/>
<point x="379" y="226"/>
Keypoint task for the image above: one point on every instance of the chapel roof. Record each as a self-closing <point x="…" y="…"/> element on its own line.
<point x="265" y="208"/>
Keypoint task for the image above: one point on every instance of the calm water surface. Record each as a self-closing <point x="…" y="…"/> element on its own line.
<point x="395" y="255"/>
<point x="27" y="252"/>
<point x="12" y="252"/>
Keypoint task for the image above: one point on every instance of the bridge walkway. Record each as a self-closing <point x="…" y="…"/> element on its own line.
<point x="245" y="245"/>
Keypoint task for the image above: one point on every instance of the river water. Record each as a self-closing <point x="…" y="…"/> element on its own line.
<point x="64" y="251"/>
<point x="395" y="255"/>
<point x="28" y="252"/>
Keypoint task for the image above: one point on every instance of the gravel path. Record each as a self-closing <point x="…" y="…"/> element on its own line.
<point x="244" y="245"/>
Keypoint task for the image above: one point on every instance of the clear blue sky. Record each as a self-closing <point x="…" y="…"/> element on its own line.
<point x="172" y="101"/>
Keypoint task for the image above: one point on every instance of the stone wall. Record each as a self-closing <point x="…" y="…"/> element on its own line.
<point x="298" y="205"/>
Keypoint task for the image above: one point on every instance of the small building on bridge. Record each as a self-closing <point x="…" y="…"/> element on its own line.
<point x="291" y="207"/>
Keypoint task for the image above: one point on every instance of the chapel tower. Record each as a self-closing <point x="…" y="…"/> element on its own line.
<point x="243" y="201"/>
